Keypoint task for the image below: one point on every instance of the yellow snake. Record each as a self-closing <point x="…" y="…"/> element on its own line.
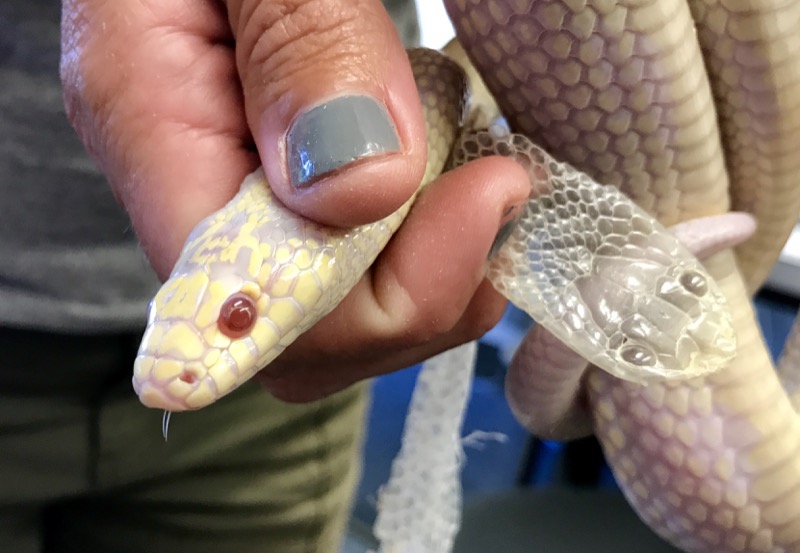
<point x="690" y="109"/>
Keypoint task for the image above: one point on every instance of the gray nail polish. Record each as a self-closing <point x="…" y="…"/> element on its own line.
<point x="338" y="132"/>
<point x="503" y="234"/>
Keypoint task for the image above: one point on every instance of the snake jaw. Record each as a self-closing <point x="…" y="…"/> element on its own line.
<point x="164" y="382"/>
<point x="151" y="394"/>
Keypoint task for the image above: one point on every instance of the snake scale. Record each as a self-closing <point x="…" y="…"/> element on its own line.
<point x="689" y="109"/>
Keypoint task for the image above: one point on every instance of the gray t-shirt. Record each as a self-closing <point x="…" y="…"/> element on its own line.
<point x="69" y="260"/>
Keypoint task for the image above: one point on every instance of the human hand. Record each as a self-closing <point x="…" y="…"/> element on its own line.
<point x="178" y="102"/>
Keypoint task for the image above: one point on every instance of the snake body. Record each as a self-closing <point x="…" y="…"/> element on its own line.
<point x="620" y="91"/>
<point x="688" y="123"/>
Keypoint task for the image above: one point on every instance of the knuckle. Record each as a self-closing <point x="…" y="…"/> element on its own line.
<point x="289" y="391"/>
<point x="295" y="28"/>
<point x="479" y="319"/>
<point x="418" y="320"/>
<point x="464" y="319"/>
<point x="73" y="105"/>
<point x="283" y="37"/>
<point x="430" y="320"/>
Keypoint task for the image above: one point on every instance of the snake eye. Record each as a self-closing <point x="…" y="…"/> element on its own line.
<point x="237" y="315"/>
<point x="695" y="283"/>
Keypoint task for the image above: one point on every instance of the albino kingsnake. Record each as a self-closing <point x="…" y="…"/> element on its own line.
<point x="691" y="110"/>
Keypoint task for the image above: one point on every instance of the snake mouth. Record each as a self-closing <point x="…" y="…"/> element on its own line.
<point x="159" y="398"/>
<point x="172" y="385"/>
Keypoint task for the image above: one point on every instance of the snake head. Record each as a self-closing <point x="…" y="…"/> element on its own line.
<point x="662" y="317"/>
<point x="246" y="285"/>
<point x="202" y="340"/>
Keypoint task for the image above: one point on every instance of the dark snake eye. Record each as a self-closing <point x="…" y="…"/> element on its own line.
<point x="237" y="315"/>
<point x="695" y="283"/>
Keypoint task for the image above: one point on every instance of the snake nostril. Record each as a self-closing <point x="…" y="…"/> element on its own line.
<point x="187" y="376"/>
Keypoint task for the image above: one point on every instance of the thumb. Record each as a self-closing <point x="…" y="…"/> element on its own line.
<point x="332" y="105"/>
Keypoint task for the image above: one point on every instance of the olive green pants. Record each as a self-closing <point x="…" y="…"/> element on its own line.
<point x="84" y="468"/>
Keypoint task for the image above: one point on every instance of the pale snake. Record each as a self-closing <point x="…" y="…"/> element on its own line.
<point x="626" y="92"/>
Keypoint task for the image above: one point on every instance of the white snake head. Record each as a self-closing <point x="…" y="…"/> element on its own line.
<point x="248" y="281"/>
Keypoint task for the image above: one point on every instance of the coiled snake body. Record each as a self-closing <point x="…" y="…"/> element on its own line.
<point x="685" y="123"/>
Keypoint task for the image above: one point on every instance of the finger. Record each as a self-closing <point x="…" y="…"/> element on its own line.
<point x="425" y="294"/>
<point x="312" y="380"/>
<point x="151" y="88"/>
<point x="332" y="105"/>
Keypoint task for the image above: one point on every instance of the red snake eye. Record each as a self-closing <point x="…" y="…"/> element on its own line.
<point x="237" y="315"/>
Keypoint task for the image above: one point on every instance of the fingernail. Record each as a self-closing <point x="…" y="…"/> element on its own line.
<point x="510" y="219"/>
<point x="336" y="133"/>
<point x="502" y="235"/>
